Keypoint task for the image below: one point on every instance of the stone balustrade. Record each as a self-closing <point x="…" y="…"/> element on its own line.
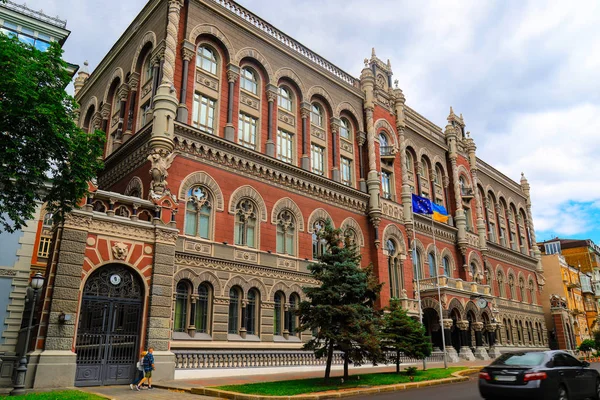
<point x="213" y="359"/>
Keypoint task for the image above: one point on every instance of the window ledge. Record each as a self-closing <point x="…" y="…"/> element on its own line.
<point x="291" y="339"/>
<point x="232" y="337"/>
<point x="197" y="336"/>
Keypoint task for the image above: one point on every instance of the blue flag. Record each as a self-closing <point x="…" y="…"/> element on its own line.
<point x="421" y="205"/>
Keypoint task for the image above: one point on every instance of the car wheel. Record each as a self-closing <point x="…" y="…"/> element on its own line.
<point x="562" y="393"/>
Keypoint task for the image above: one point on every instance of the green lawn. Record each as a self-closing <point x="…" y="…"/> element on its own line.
<point x="302" y="386"/>
<point x="57" y="395"/>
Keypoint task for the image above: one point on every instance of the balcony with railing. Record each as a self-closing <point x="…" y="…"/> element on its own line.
<point x="446" y="282"/>
<point x="387" y="151"/>
<point x="467" y="193"/>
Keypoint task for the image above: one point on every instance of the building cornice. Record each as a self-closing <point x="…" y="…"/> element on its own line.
<point x="501" y="253"/>
<point x="211" y="149"/>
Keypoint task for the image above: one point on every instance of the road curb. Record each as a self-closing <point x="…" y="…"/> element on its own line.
<point x="459" y="376"/>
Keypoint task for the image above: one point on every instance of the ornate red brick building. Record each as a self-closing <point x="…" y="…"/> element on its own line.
<point x="229" y="144"/>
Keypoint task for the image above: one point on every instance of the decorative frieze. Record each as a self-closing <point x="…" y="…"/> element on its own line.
<point x="8" y="272"/>
<point x="287" y="263"/>
<point x="250" y="101"/>
<point x="392" y="210"/>
<point x="205" y="80"/>
<point x="346" y="146"/>
<point x="197" y="247"/>
<point x="286" y="118"/>
<point x="316" y="132"/>
<point x="147" y="88"/>
<point x="245" y="256"/>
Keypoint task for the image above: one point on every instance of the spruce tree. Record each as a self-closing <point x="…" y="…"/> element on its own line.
<point x="341" y="311"/>
<point x="402" y="334"/>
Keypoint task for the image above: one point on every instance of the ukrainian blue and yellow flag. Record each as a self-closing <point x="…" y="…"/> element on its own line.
<point x="422" y="205"/>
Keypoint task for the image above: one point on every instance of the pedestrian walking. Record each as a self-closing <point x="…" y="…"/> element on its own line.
<point x="139" y="371"/>
<point x="148" y="364"/>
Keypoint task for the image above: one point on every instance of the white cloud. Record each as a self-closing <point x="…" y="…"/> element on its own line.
<point x="523" y="73"/>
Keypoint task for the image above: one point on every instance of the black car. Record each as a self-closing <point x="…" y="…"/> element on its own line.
<point x="547" y="375"/>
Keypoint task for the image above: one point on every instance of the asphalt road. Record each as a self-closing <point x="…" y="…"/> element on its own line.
<point x="456" y="391"/>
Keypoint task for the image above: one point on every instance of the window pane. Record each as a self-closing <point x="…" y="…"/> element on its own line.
<point x="233" y="311"/>
<point x="284" y="146"/>
<point x="247" y="131"/>
<point x="317" y="159"/>
<point x="345" y="129"/>
<point x="280" y="241"/>
<point x="346" y="171"/>
<point x="190" y="221"/>
<point x="204" y="226"/>
<point x="289" y="243"/>
<point x="250" y="236"/>
<point x="207" y="60"/>
<point x="41" y="45"/>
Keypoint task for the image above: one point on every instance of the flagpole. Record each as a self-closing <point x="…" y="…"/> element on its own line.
<point x="437" y="278"/>
<point x="416" y="269"/>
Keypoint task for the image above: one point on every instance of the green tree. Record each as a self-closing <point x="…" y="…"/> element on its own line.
<point x="597" y="340"/>
<point x="39" y="139"/>
<point x="587" y="346"/>
<point x="402" y="334"/>
<point x="341" y="311"/>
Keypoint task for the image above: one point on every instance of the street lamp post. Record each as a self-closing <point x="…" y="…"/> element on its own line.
<point x="19" y="388"/>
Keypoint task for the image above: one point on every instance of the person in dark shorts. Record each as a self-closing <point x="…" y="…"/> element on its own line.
<point x="148" y="368"/>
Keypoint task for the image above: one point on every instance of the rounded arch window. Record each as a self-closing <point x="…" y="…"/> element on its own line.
<point x="446" y="265"/>
<point x="293" y="318"/>
<point x="286" y="233"/>
<point x="203" y="304"/>
<point x="279" y="300"/>
<point x="409" y="161"/>
<point x="252" y="312"/>
<point x="198" y="211"/>
<point x="234" y="310"/>
<point x="345" y="129"/>
<point x="383" y="143"/>
<point x="317" y="116"/>
<point x="318" y="244"/>
<point x="285" y="99"/>
<point x="390" y="246"/>
<point x="148" y="68"/>
<point x="182" y="301"/>
<point x="351" y="235"/>
<point x="439" y="175"/>
<point x="394" y="270"/>
<point x="417" y="264"/>
<point x="249" y="80"/>
<point x="431" y="261"/>
<point x="206" y="59"/>
<point x="245" y="221"/>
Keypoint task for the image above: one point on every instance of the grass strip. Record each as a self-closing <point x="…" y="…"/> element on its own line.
<point x="314" y="385"/>
<point x="57" y="395"/>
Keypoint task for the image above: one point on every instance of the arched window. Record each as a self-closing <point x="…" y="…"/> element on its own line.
<point x="345" y="129"/>
<point x="285" y="98"/>
<point x="148" y="69"/>
<point x="501" y="283"/>
<point x="463" y="184"/>
<point x="511" y="286"/>
<point x="532" y="297"/>
<point x="234" y="310"/>
<point x="432" y="266"/>
<point x="473" y="270"/>
<point x="384" y="146"/>
<point x="286" y="233"/>
<point x="438" y="177"/>
<point x="279" y="313"/>
<point x="249" y="81"/>
<point x="394" y="271"/>
<point x="198" y="213"/>
<point x="409" y="161"/>
<point x="245" y="224"/>
<point x="523" y="290"/>
<point x="293" y="318"/>
<point x="206" y="59"/>
<point x="351" y="235"/>
<point x="203" y="305"/>
<point x="182" y="297"/>
<point x="316" y="115"/>
<point x="318" y="244"/>
<point x="446" y="265"/>
<point x="417" y="264"/>
<point x="252" y="313"/>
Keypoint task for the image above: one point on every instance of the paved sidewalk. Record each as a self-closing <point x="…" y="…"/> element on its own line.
<point x="124" y="393"/>
<point x="239" y="380"/>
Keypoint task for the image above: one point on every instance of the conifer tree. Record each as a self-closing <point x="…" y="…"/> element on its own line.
<point x="402" y="334"/>
<point x="341" y="311"/>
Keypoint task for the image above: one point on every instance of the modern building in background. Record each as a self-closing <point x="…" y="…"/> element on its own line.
<point x="26" y="251"/>
<point x="253" y="141"/>
<point x="572" y="271"/>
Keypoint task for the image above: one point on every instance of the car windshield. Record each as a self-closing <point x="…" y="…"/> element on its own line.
<point x="522" y="359"/>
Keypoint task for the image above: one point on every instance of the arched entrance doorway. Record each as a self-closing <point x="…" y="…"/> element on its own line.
<point x="108" y="332"/>
<point x="431" y="321"/>
<point x="455" y="332"/>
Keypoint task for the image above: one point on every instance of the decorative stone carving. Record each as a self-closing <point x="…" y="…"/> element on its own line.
<point x="120" y="251"/>
<point x="206" y="80"/>
<point x="7" y="272"/>
<point x="462" y="325"/>
<point x="245" y="256"/>
<point x="161" y="161"/>
<point x="287" y="263"/>
<point x="198" y="247"/>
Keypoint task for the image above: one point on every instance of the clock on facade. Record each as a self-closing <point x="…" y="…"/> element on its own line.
<point x="482" y="303"/>
<point x="115" y="279"/>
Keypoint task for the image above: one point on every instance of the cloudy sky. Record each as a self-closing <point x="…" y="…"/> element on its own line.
<point x="524" y="74"/>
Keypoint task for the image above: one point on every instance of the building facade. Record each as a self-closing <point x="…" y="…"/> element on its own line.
<point x="581" y="285"/>
<point x="25" y="251"/>
<point x="229" y="144"/>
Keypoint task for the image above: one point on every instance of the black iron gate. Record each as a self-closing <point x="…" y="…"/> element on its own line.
<point x="109" y="324"/>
